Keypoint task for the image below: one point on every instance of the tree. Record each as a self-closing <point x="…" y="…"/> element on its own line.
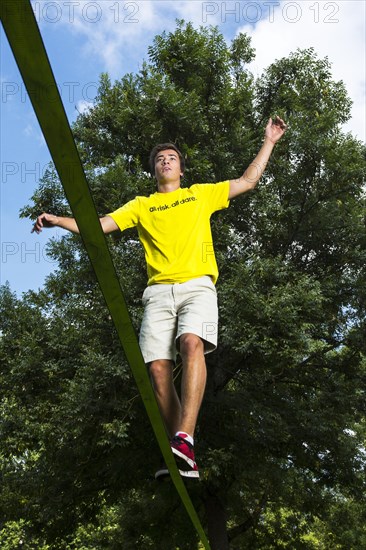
<point x="282" y="430"/>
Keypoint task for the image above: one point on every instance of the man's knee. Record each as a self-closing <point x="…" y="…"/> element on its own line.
<point x="190" y="345"/>
<point x="160" y="372"/>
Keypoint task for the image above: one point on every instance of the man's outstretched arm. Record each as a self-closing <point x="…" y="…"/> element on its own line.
<point x="274" y="131"/>
<point x="49" y="220"/>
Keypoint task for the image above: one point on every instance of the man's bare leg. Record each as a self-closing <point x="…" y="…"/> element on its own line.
<point x="161" y="372"/>
<point x="193" y="380"/>
<point x="181" y="416"/>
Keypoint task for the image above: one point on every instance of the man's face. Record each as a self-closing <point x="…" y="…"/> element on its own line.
<point x="167" y="166"/>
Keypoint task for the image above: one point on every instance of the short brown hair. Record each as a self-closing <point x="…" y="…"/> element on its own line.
<point x="163" y="147"/>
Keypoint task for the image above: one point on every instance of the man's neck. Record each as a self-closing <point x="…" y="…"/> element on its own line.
<point x="168" y="187"/>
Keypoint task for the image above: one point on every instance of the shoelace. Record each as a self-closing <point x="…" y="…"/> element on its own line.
<point x="181" y="440"/>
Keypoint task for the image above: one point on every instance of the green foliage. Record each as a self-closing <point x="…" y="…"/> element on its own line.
<point x="185" y="95"/>
<point x="282" y="430"/>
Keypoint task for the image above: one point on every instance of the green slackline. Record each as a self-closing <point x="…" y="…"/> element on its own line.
<point x="26" y="43"/>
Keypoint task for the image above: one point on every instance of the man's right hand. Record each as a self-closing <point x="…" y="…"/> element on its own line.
<point x="49" y="220"/>
<point x="45" y="220"/>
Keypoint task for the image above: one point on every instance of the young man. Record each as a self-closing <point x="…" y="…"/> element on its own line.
<point x="180" y="300"/>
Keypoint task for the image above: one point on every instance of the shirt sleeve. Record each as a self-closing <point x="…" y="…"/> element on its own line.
<point x="128" y="215"/>
<point x="216" y="195"/>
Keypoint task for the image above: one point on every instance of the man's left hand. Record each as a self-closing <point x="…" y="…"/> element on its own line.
<point x="275" y="129"/>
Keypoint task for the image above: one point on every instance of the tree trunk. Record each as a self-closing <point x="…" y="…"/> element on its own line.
<point x="216" y="521"/>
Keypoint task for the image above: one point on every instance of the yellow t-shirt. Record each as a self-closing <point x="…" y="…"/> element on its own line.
<point x="174" y="229"/>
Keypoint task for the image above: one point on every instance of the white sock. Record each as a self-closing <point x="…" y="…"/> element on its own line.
<point x="186" y="436"/>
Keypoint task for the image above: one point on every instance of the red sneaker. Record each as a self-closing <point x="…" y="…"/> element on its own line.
<point x="184" y="455"/>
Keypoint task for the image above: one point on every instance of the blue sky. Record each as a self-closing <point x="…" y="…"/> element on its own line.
<point x="84" y="38"/>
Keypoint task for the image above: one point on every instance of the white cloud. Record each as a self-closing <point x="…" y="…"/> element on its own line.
<point x="106" y="26"/>
<point x="28" y="130"/>
<point x="34" y="134"/>
<point x="114" y="32"/>
<point x="335" y="29"/>
<point x="83" y="106"/>
<point x="117" y="34"/>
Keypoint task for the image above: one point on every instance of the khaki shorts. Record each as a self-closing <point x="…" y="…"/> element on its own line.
<point x="175" y="309"/>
